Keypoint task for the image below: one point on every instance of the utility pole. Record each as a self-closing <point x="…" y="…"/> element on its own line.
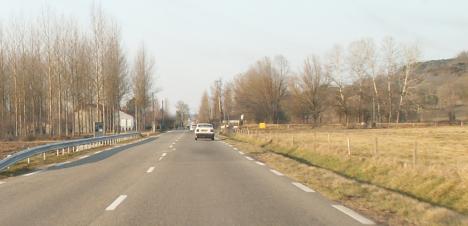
<point x="154" y="113"/>
<point x="162" y="113"/>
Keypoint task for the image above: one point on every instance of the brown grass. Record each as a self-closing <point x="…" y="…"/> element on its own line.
<point x="439" y="177"/>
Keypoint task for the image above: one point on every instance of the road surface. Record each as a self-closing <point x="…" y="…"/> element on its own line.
<point x="169" y="180"/>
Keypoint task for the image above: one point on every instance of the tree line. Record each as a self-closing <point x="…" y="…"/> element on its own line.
<point x="57" y="79"/>
<point x="364" y="83"/>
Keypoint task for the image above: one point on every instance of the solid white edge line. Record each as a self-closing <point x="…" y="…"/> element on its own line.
<point x="260" y="163"/>
<point x="247" y="157"/>
<point x="30" y="174"/>
<point x="353" y="214"/>
<point x="84" y="156"/>
<point x="241" y="152"/>
<point x="302" y="187"/>
<point x="150" y="169"/>
<point x="276" y="172"/>
<point x="116" y="203"/>
<point x="2" y="182"/>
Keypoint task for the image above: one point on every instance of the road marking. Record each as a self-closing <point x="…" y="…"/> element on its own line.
<point x="174" y="149"/>
<point x="150" y="169"/>
<point x="241" y="152"/>
<point x="84" y="156"/>
<point x="30" y="174"/>
<point x="260" y="163"/>
<point x="247" y="157"/>
<point x="116" y="202"/>
<point x="160" y="158"/>
<point x="302" y="187"/>
<point x="276" y="172"/>
<point x="173" y="143"/>
<point x="164" y="154"/>
<point x="354" y="215"/>
<point x="236" y="149"/>
<point x="170" y="146"/>
<point x="62" y="163"/>
<point x="97" y="152"/>
<point x="2" y="182"/>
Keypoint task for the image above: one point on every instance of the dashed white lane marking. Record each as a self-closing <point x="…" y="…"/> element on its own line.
<point x="97" y="152"/>
<point x="160" y="158"/>
<point x="164" y="154"/>
<point x="247" y="157"/>
<point x="173" y="143"/>
<point x="30" y="174"/>
<point x="276" y="172"/>
<point x="174" y="149"/>
<point x="241" y="152"/>
<point x="302" y="187"/>
<point x="2" y="182"/>
<point x="62" y="163"/>
<point x="353" y="214"/>
<point x="260" y="163"/>
<point x="116" y="202"/>
<point x="170" y="146"/>
<point x="236" y="149"/>
<point x="150" y="169"/>
<point x="84" y="156"/>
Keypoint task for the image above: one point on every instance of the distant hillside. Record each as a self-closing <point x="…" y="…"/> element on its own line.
<point x="448" y="80"/>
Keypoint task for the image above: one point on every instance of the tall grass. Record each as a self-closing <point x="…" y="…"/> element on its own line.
<point x="437" y="174"/>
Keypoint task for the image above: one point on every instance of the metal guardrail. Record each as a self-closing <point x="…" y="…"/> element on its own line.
<point x="75" y="144"/>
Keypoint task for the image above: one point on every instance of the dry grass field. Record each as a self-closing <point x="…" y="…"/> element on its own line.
<point x="427" y="164"/>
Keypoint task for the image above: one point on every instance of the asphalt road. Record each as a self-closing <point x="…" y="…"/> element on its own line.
<point x="170" y="180"/>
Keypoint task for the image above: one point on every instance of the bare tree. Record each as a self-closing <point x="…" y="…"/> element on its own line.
<point x="408" y="79"/>
<point x="204" y="112"/>
<point x="314" y="85"/>
<point x="142" y="83"/>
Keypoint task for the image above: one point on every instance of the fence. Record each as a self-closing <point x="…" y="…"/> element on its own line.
<point x="72" y="145"/>
<point x="415" y="146"/>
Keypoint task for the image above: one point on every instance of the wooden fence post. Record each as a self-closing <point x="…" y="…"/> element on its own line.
<point x="349" y="147"/>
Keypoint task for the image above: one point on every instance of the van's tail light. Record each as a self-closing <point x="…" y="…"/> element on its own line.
<point x="211" y="130"/>
<point x="198" y="130"/>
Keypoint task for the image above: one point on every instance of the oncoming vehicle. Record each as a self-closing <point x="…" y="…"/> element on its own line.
<point x="204" y="130"/>
<point x="193" y="126"/>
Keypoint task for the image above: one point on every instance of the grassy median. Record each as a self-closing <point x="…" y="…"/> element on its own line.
<point x="53" y="157"/>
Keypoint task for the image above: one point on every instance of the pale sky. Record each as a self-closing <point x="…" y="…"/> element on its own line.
<point x="196" y="42"/>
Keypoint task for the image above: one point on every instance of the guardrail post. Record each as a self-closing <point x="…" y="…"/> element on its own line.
<point x="43" y="156"/>
<point x="29" y="161"/>
<point x="57" y="152"/>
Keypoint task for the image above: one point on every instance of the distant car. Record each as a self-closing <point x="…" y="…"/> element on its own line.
<point x="192" y="127"/>
<point x="204" y="130"/>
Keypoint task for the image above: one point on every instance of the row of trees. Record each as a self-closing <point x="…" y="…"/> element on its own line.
<point x="364" y="83"/>
<point x="58" y="79"/>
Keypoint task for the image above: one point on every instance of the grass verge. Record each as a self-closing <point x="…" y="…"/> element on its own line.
<point x="383" y="205"/>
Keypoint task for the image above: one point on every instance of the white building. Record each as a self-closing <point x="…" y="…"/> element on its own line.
<point x="127" y="122"/>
